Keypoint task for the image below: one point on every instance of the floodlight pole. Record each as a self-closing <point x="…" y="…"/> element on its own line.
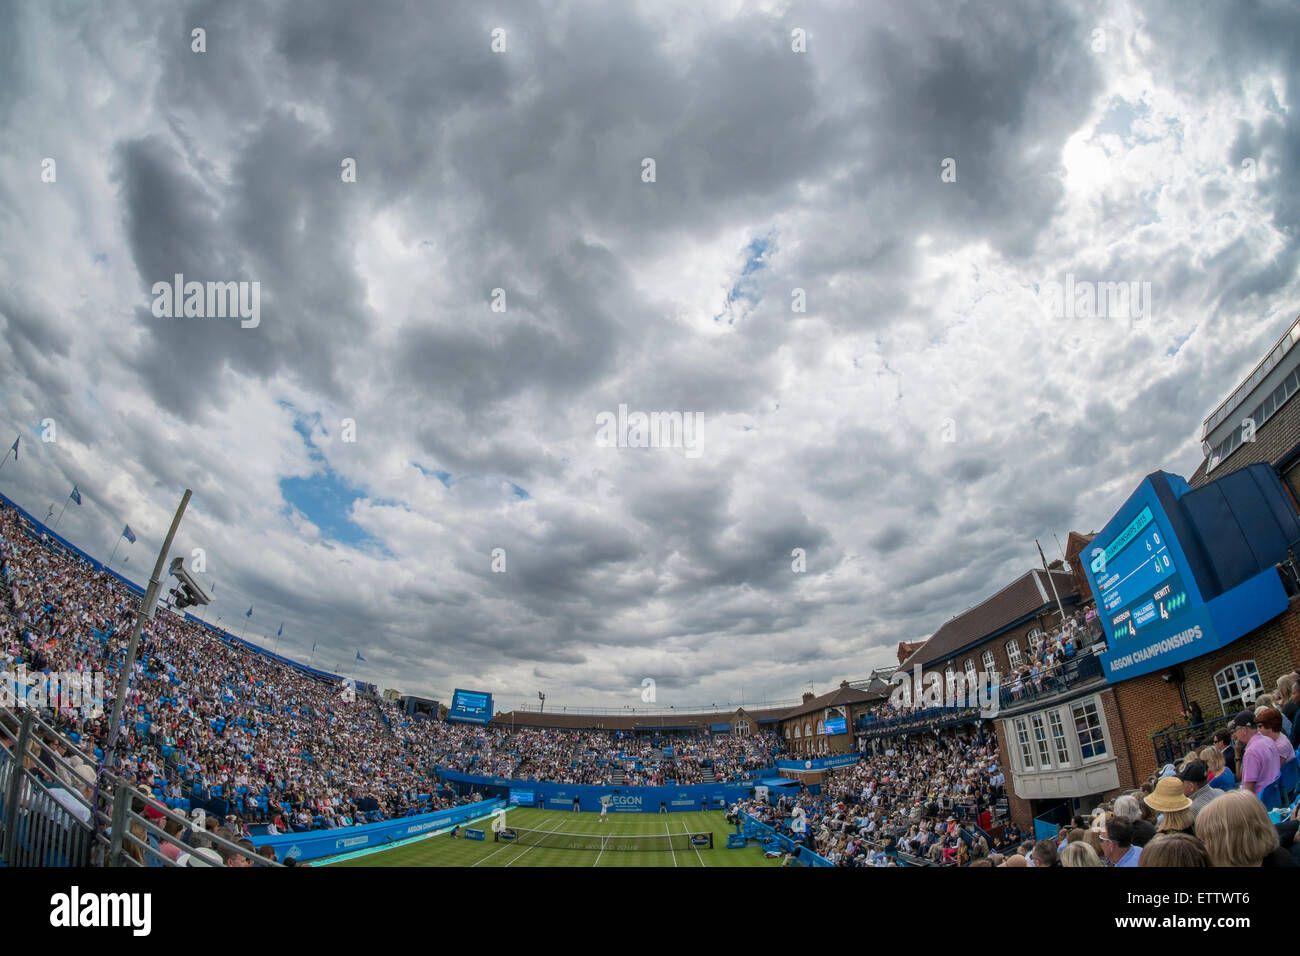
<point x="147" y="607"/>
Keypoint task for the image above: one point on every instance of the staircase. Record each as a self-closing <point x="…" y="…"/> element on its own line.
<point x="619" y="777"/>
<point x="707" y="775"/>
<point x="384" y="719"/>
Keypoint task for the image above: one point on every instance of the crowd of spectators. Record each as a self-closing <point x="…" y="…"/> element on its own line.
<point x="209" y="719"/>
<point x="592" y="757"/>
<point x="214" y="722"/>
<point x="926" y="798"/>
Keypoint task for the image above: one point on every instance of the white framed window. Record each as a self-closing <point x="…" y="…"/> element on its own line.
<point x="970" y="672"/>
<point x="1013" y="653"/>
<point x="1057" y="726"/>
<point x="1087" y="725"/>
<point x="797" y="734"/>
<point x="1040" y="740"/>
<point x="1035" y="638"/>
<point x="1235" y="682"/>
<point x="821" y="727"/>
<point x="990" y="664"/>
<point x="1022" y="741"/>
<point x="807" y="729"/>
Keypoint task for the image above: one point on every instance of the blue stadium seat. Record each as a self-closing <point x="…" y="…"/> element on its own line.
<point x="1289" y="781"/>
<point x="1271" y="796"/>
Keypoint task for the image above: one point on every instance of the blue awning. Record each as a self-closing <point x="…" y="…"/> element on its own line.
<point x="723" y="727"/>
<point x="771" y="782"/>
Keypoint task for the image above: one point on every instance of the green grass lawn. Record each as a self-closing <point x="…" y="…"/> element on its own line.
<point x="442" y="850"/>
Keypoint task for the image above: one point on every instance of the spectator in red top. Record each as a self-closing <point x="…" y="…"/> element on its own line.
<point x="1270" y="726"/>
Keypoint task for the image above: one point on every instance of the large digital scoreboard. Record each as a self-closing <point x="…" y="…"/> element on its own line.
<point x="1140" y="578"/>
<point x="470" y="706"/>
<point x="1157" y="571"/>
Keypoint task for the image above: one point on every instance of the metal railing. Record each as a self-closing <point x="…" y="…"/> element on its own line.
<point x="62" y="811"/>
<point x="1172" y="744"/>
<point x="1075" y="671"/>
<point x="926" y="721"/>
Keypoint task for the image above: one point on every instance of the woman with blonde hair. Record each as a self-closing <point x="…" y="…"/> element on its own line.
<point x="1080" y="853"/>
<point x="1236" y="831"/>
<point x="1175" y="808"/>
<point x="1095" y="832"/>
<point x="1219" y="776"/>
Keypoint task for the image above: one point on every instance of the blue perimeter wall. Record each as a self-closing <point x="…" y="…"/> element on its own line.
<point x="821" y="763"/>
<point x="321" y="843"/>
<point x="806" y="856"/>
<point x="627" y="799"/>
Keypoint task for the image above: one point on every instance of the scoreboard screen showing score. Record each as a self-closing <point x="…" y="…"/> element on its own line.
<point x="1139" y="579"/>
<point x="470" y="706"/>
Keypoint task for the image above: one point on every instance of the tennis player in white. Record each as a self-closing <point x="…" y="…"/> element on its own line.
<point x="604" y="808"/>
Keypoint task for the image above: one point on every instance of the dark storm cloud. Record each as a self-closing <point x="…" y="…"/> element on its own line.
<point x="522" y="171"/>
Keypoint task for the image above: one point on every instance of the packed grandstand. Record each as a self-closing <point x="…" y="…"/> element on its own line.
<point x="262" y="746"/>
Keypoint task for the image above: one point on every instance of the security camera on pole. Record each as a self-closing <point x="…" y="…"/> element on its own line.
<point x="147" y="607"/>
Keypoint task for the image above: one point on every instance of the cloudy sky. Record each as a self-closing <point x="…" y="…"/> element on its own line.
<point x="841" y="267"/>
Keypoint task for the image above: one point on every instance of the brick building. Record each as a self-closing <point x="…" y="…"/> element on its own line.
<point x="998" y="635"/>
<point x="1258" y="423"/>
<point x="1061" y="741"/>
<point x="809" y="727"/>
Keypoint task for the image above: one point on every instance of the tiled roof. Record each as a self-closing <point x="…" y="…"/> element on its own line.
<point x="1026" y="595"/>
<point x="844" y="694"/>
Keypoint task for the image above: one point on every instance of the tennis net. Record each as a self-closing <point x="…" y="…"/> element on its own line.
<point x="610" y="843"/>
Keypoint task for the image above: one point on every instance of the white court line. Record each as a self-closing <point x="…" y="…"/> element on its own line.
<point x="670" y="842"/>
<point x="495" y="852"/>
<point x="525" y="853"/>
<point x="603" y="844"/>
<point x="693" y="846"/>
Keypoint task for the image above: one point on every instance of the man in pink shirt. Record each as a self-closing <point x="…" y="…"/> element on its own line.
<point x="1259" y="761"/>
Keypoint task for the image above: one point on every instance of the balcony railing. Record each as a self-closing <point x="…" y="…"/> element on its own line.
<point x="1172" y="744"/>
<point x="1075" y="671"/>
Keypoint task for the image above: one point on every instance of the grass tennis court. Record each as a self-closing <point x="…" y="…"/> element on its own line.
<point x="442" y="850"/>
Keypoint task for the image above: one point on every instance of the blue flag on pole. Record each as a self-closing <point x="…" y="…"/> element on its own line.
<point x="360" y="658"/>
<point x="128" y="534"/>
<point x="16" y="447"/>
<point x="250" y="611"/>
<point x="281" y="630"/>
<point x="76" y="495"/>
